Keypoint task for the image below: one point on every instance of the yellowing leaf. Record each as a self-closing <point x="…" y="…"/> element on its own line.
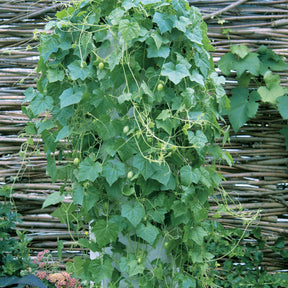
<point x="270" y="95"/>
<point x="240" y="50"/>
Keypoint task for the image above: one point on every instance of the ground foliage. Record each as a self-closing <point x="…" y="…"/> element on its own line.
<point x="244" y="266"/>
<point x="14" y="253"/>
<point x="135" y="103"/>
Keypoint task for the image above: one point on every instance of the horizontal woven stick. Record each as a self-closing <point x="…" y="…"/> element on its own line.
<point x="54" y="236"/>
<point x="253" y="206"/>
<point x="33" y="186"/>
<point x="255" y="174"/>
<point x="32" y="14"/>
<point x="250" y="167"/>
<point x="264" y="213"/>
<point x="249" y="193"/>
<point x="35" y="224"/>
<point x="55" y="245"/>
<point x="257" y="223"/>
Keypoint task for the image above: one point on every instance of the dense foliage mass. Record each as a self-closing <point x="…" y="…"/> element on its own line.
<point x="127" y="105"/>
<point x="254" y="70"/>
<point x="14" y="254"/>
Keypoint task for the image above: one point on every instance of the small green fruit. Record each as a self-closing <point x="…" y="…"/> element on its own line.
<point x="76" y="161"/>
<point x="160" y="87"/>
<point x="126" y="129"/>
<point x="139" y="260"/>
<point x="129" y="174"/>
<point x="101" y="66"/>
<point x="166" y="244"/>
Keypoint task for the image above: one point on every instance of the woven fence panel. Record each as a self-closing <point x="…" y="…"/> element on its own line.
<point x="258" y="180"/>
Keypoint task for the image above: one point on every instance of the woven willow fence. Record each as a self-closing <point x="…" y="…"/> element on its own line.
<point x="257" y="180"/>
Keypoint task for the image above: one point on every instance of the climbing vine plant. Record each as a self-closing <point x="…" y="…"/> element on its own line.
<point x="258" y="82"/>
<point x="129" y="104"/>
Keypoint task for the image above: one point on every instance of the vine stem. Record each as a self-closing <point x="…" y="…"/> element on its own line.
<point x="227" y="8"/>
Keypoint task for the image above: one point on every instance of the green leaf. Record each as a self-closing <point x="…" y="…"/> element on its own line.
<point x="71" y="96"/>
<point x="175" y="73"/>
<point x="130" y="30"/>
<point x="77" y="266"/>
<point x="240" y="50"/>
<point x="199" y="139"/>
<point x="182" y="23"/>
<point x="65" y="213"/>
<point x="197" y="77"/>
<point x="51" y="168"/>
<point x="133" y="211"/>
<point x="49" y="140"/>
<point x="271" y="79"/>
<point x="195" y="35"/>
<point x="49" y="45"/>
<point x="45" y="124"/>
<point x="146" y="168"/>
<point x="186" y="281"/>
<point x="89" y="170"/>
<point x="270" y="95"/>
<point x="206" y="180"/>
<point x="179" y="6"/>
<point x="55" y="75"/>
<point x="53" y="199"/>
<point x="135" y="268"/>
<point x="78" y="70"/>
<point x="147" y="232"/>
<point x="164" y="21"/>
<point x="147" y="2"/>
<point x="127" y="4"/>
<point x="116" y="15"/>
<point x="158" y="39"/>
<point x="168" y="125"/>
<point x="225" y="64"/>
<point x="202" y="61"/>
<point x="164" y="115"/>
<point x="41" y="104"/>
<point x="104" y="232"/>
<point x="198" y="234"/>
<point x="124" y="97"/>
<point x="179" y="208"/>
<point x="78" y="193"/>
<point x="250" y="63"/>
<point x="100" y="269"/>
<point x="153" y="51"/>
<point x="112" y="170"/>
<point x="243" y="107"/>
<point x="30" y="93"/>
<point x="157" y="214"/>
<point x="282" y="104"/>
<point x="162" y="173"/>
<point x="91" y="197"/>
<point x="270" y="60"/>
<point x="186" y="175"/>
<point x="66" y="131"/>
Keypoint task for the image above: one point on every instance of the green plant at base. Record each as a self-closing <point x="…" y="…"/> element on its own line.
<point x="14" y="253"/>
<point x="254" y="69"/>
<point x="24" y="281"/>
<point x="244" y="267"/>
<point x="134" y="96"/>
